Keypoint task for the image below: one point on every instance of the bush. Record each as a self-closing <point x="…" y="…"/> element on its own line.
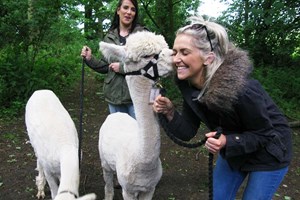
<point x="283" y="85"/>
<point x="53" y="64"/>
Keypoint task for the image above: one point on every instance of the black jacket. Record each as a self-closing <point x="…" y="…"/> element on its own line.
<point x="257" y="133"/>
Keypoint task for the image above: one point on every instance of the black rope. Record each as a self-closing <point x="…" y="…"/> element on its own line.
<point x="81" y="111"/>
<point x="163" y="121"/>
<point x="210" y="167"/>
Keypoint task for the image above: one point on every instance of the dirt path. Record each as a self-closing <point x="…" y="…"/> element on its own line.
<point x="184" y="176"/>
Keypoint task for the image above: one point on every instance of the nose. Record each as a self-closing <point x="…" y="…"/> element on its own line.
<point x="176" y="58"/>
<point x="129" y="11"/>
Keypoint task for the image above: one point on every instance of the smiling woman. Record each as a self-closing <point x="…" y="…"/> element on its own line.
<point x="213" y="78"/>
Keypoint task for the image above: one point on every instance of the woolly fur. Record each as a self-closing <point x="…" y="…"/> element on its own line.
<point x="130" y="147"/>
<point x="228" y="81"/>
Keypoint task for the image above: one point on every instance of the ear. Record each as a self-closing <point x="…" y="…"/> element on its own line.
<point x="112" y="52"/>
<point x="209" y="58"/>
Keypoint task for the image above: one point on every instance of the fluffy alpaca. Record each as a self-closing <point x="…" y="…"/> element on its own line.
<point x="128" y="147"/>
<point x="53" y="136"/>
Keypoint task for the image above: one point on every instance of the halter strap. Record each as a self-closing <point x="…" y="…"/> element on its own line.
<point x="144" y="71"/>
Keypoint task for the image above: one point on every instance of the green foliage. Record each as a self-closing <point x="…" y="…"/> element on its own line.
<point x="165" y="17"/>
<point x="152" y="14"/>
<point x="45" y="56"/>
<point x="268" y="29"/>
<point x="12" y="22"/>
<point x="40" y="43"/>
<point x="172" y="90"/>
<point x="283" y="85"/>
<point x="13" y="137"/>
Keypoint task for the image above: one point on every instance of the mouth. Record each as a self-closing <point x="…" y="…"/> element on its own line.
<point x="127" y="18"/>
<point x="181" y="68"/>
<point x="182" y="71"/>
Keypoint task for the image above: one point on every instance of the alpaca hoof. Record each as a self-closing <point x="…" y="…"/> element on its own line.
<point x="40" y="195"/>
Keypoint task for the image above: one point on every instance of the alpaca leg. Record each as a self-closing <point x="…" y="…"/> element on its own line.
<point x="146" y="195"/>
<point x="53" y="183"/>
<point x="109" y="184"/>
<point x="91" y="196"/>
<point x="40" y="181"/>
<point x="128" y="196"/>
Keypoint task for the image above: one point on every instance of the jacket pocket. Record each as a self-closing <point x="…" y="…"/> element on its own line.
<point x="109" y="78"/>
<point x="277" y="149"/>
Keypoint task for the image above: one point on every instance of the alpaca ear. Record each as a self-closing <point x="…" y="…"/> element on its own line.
<point x="209" y="58"/>
<point x="112" y="52"/>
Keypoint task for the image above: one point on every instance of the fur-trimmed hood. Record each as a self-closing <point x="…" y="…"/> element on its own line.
<point x="228" y="81"/>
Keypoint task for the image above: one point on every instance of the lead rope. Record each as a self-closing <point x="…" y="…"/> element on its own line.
<point x="210" y="166"/>
<point x="81" y="111"/>
<point x="163" y="123"/>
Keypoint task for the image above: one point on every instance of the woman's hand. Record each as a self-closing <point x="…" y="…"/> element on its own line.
<point x="86" y="52"/>
<point x="214" y="145"/>
<point x="165" y="106"/>
<point x="115" y="67"/>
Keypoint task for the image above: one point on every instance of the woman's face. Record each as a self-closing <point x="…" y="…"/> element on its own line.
<point x="126" y="13"/>
<point x="188" y="60"/>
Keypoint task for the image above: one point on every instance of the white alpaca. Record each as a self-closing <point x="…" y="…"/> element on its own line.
<point x="130" y="147"/>
<point x="53" y="136"/>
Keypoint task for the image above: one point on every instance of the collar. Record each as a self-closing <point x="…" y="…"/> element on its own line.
<point x="70" y="192"/>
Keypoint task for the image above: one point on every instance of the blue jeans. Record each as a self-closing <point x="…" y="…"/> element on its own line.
<point x="261" y="185"/>
<point x="124" y="108"/>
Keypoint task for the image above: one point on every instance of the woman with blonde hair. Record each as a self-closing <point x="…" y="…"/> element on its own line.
<point x="214" y="79"/>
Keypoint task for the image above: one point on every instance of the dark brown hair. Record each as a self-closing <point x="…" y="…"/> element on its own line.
<point x="116" y="20"/>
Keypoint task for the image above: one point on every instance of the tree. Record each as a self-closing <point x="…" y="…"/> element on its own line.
<point x="163" y="16"/>
<point x="95" y="14"/>
<point x="37" y="48"/>
<point x="269" y="29"/>
<point x="166" y="16"/>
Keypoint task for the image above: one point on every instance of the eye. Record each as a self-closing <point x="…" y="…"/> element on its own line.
<point x="185" y="52"/>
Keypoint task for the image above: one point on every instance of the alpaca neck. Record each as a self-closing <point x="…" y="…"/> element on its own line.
<point x="69" y="166"/>
<point x="139" y="88"/>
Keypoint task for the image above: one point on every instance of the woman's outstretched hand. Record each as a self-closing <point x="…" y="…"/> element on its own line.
<point x="165" y="106"/>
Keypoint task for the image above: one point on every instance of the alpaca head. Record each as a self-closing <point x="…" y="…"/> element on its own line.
<point x="141" y="48"/>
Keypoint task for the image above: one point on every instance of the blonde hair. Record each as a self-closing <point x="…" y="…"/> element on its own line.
<point x="208" y="37"/>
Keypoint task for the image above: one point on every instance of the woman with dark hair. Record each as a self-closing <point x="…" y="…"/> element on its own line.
<point x="115" y="88"/>
<point x="116" y="20"/>
<point x="214" y="78"/>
